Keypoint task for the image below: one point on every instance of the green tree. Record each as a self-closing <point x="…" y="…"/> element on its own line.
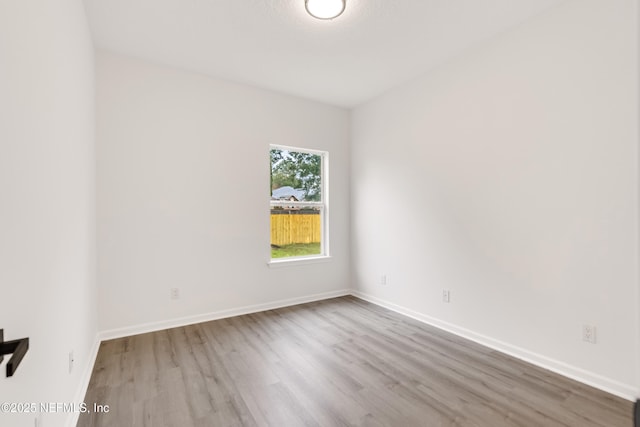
<point x="299" y="170"/>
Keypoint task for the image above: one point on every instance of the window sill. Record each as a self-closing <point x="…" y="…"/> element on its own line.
<point x="294" y="262"/>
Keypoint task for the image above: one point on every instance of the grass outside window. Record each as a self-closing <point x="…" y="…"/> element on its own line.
<point x="296" y="250"/>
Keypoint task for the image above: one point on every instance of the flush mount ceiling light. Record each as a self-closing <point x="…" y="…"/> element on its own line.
<point x="325" y="9"/>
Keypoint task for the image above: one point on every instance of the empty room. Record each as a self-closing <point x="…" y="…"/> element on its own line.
<point x="319" y="213"/>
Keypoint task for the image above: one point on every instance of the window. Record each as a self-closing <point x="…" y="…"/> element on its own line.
<point x="298" y="203"/>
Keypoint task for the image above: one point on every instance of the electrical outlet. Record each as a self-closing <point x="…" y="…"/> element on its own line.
<point x="175" y="293"/>
<point x="446" y="295"/>
<point x="589" y="333"/>
<point x="383" y="279"/>
<point x="71" y="360"/>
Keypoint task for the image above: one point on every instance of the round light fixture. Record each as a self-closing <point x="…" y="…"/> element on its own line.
<point x="325" y="9"/>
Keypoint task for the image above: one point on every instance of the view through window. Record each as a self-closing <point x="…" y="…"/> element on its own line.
<point x="298" y="208"/>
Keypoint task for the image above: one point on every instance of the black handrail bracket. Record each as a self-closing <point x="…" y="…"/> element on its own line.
<point x="17" y="348"/>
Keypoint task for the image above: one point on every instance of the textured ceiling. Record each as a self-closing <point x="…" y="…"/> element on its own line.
<point x="373" y="46"/>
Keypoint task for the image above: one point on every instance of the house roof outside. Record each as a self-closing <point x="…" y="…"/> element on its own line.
<point x="286" y="192"/>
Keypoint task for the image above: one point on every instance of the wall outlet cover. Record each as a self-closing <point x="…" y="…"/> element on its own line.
<point x="446" y="295"/>
<point x="589" y="333"/>
<point x="71" y="361"/>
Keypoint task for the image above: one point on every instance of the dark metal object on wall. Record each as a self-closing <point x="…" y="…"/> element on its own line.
<point x="17" y="348"/>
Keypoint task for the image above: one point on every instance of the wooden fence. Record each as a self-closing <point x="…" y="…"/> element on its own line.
<point x="289" y="228"/>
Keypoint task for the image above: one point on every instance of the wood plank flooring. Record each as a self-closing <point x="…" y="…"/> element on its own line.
<point x="339" y="362"/>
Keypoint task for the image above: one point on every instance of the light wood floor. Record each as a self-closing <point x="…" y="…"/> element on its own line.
<point x="339" y="362"/>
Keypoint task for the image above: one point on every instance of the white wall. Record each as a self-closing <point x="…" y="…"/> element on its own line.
<point x="509" y="176"/>
<point x="637" y="15"/>
<point x="183" y="194"/>
<point x="47" y="201"/>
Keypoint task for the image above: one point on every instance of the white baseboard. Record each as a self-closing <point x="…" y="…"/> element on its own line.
<point x="72" y="421"/>
<point x="625" y="391"/>
<point x="206" y="317"/>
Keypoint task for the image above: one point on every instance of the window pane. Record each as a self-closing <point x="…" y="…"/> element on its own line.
<point x="298" y="211"/>
<point x="296" y="176"/>
<point x="296" y="231"/>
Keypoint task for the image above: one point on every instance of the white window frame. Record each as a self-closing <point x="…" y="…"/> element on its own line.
<point x="323" y="205"/>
